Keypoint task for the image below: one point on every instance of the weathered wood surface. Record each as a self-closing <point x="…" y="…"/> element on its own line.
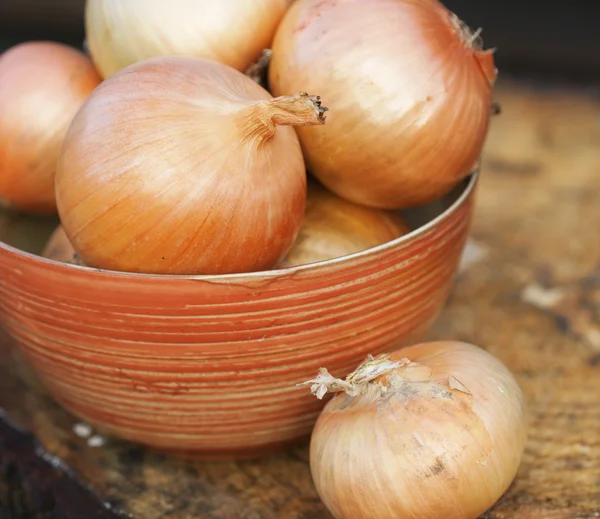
<point x="529" y="293"/>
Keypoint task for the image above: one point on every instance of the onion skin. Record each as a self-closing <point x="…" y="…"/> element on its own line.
<point x="421" y="447"/>
<point x="233" y="32"/>
<point x="42" y="85"/>
<point x="181" y="165"/>
<point x="333" y="227"/>
<point x="411" y="98"/>
<point x="59" y="248"/>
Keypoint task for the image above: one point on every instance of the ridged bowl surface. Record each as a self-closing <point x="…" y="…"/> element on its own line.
<point x="208" y="366"/>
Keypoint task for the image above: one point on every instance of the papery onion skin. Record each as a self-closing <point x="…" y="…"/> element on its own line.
<point x="59" y="248"/>
<point x="181" y="165"/>
<point x="233" y="32"/>
<point x="422" y="448"/>
<point x="411" y="97"/>
<point x="42" y="85"/>
<point x="333" y="227"/>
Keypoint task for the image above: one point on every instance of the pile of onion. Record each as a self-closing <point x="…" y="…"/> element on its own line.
<point x="234" y="32"/>
<point x="42" y="86"/>
<point x="179" y="163"/>
<point x="333" y="228"/>
<point x="409" y="88"/>
<point x="182" y="165"/>
<point x="435" y="430"/>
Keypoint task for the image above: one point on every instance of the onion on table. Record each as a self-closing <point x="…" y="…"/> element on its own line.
<point x="411" y="89"/>
<point x="333" y="227"/>
<point x="42" y="86"/>
<point x="435" y="430"/>
<point x="183" y="165"/>
<point x="234" y="32"/>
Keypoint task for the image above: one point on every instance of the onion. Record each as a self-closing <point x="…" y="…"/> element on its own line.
<point x="333" y="227"/>
<point x="233" y="32"/>
<point x="435" y="430"/>
<point x="42" y="85"/>
<point x="410" y="88"/>
<point x="182" y="165"/>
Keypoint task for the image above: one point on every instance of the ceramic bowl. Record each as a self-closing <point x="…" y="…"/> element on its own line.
<point x="208" y="366"/>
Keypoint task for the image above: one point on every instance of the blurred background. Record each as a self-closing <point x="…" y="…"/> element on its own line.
<point x="558" y="40"/>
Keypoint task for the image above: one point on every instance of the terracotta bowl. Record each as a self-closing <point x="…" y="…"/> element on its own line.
<point x="208" y="365"/>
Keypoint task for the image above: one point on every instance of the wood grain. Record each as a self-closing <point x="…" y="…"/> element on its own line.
<point x="529" y="293"/>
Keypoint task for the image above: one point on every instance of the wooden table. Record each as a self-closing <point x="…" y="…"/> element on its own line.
<point x="529" y="293"/>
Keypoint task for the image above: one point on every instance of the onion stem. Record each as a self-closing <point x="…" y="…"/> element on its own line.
<point x="357" y="381"/>
<point x="301" y="109"/>
<point x="472" y="39"/>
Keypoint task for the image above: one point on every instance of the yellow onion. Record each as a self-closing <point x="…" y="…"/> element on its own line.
<point x="233" y="32"/>
<point x="333" y="227"/>
<point x="182" y="165"/>
<point x="42" y="85"/>
<point x="432" y="431"/>
<point x="410" y="88"/>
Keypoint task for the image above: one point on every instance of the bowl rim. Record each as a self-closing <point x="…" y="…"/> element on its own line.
<point x="472" y="178"/>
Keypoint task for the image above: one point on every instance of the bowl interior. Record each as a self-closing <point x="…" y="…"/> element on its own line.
<point x="29" y="233"/>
